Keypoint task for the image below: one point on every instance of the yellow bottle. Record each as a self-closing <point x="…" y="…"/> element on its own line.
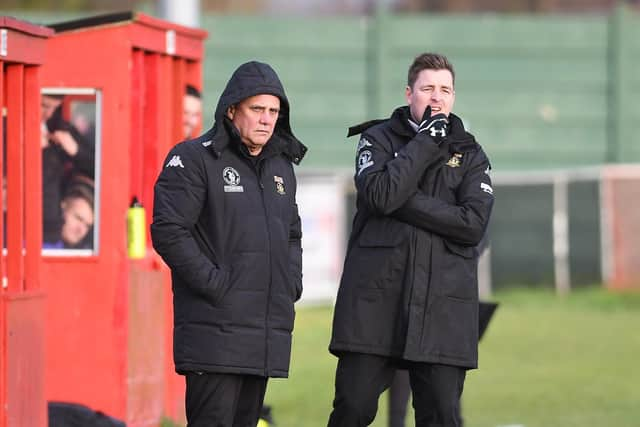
<point x="136" y="230"/>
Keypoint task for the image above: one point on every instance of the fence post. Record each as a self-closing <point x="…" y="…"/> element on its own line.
<point x="561" y="234"/>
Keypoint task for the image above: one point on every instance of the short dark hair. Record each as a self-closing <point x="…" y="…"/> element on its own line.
<point x="58" y="96"/>
<point x="192" y="91"/>
<point x="429" y="61"/>
<point x="80" y="187"/>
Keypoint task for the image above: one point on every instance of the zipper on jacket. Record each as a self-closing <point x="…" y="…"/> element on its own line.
<point x="436" y="179"/>
<point x="258" y="169"/>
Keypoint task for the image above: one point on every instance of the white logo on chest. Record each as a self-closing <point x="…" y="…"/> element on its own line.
<point x="232" y="178"/>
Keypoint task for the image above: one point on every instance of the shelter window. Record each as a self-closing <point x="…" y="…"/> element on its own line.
<point x="70" y="130"/>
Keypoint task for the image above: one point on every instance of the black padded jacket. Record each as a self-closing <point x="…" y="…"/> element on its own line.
<point x="228" y="227"/>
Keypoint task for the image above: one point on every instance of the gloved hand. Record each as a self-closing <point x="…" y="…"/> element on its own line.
<point x="434" y="126"/>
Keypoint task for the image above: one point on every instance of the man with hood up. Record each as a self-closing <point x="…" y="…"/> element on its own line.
<point x="225" y="221"/>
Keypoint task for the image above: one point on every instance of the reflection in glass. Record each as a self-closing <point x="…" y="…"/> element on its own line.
<point x="68" y="141"/>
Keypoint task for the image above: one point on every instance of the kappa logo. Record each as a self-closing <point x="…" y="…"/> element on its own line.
<point x="175" y="162"/>
<point x="364" y="160"/>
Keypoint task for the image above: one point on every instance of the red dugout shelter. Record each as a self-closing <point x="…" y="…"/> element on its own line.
<point x="22" y="51"/>
<point x="120" y="79"/>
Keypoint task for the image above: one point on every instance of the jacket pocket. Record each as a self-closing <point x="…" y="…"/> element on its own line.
<point x="377" y="259"/>
<point x="468" y="252"/>
<point x="452" y="330"/>
<point x="459" y="269"/>
<point x="220" y="285"/>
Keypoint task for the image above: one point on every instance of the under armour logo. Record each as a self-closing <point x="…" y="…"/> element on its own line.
<point x="438" y="127"/>
<point x="435" y="132"/>
<point x="175" y="162"/>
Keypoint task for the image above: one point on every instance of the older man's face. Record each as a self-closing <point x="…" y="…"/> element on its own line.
<point x="255" y="118"/>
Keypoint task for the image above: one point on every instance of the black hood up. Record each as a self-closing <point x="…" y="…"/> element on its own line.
<point x="257" y="78"/>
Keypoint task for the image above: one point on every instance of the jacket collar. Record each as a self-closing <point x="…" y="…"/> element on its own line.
<point x="399" y="123"/>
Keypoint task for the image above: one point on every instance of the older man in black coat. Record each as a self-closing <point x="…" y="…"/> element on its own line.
<point x="226" y="222"/>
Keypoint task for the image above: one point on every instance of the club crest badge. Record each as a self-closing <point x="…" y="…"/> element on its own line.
<point x="362" y="144"/>
<point x="365" y="159"/>
<point x="455" y="161"/>
<point x="232" y="178"/>
<point x="279" y="184"/>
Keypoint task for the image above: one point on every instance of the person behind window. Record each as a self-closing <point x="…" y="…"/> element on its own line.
<point x="64" y="152"/>
<point x="191" y="111"/>
<point x="78" y="216"/>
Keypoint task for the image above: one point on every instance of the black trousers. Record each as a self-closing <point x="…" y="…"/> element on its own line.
<point x="224" y="400"/>
<point x="361" y="379"/>
<point x="399" y="392"/>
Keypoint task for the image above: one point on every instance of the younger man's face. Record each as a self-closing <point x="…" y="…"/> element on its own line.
<point x="432" y="88"/>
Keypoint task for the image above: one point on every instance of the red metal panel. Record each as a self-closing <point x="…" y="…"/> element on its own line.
<point x="3" y="360"/>
<point x="33" y="179"/>
<point x="24" y="336"/>
<point x="3" y="341"/>
<point x="145" y="377"/>
<point x="15" y="176"/>
<point x="150" y="34"/>
<point x="169" y="108"/>
<point x="3" y="237"/>
<point x="25" y="27"/>
<point x="175" y="384"/>
<point x="153" y="129"/>
<point x="177" y="94"/>
<point x="21" y="48"/>
<point x="138" y="109"/>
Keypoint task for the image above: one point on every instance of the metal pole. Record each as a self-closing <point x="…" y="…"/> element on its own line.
<point x="484" y="274"/>
<point x="185" y="12"/>
<point x="561" y="234"/>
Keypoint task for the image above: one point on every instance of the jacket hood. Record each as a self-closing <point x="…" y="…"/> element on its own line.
<point x="257" y="78"/>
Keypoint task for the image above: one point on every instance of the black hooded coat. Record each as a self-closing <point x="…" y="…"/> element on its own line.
<point x="228" y="227"/>
<point x="409" y="288"/>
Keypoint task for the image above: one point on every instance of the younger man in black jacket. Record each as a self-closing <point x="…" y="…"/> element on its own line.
<point x="409" y="292"/>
